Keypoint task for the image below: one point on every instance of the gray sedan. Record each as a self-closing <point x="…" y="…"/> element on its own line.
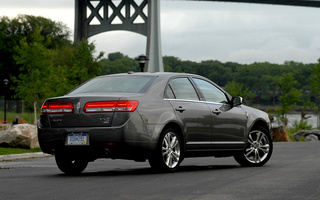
<point x="159" y="117"/>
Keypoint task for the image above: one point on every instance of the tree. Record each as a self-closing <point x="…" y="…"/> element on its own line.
<point x="75" y="64"/>
<point x="116" y="56"/>
<point x="215" y="71"/>
<point x="12" y="31"/>
<point x="85" y="65"/>
<point x="315" y="86"/>
<point x="45" y="73"/>
<point x="26" y="25"/>
<point x="237" y="89"/>
<point x="118" y="63"/>
<point x="289" y="97"/>
<point x="35" y="61"/>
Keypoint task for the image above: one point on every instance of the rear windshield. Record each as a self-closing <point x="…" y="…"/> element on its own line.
<point x="127" y="84"/>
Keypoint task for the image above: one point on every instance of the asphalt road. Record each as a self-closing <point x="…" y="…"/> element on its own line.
<point x="293" y="173"/>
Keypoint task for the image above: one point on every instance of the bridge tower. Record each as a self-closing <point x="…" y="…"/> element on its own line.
<point x="96" y="16"/>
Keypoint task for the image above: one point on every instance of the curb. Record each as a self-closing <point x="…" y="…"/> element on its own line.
<point x="12" y="157"/>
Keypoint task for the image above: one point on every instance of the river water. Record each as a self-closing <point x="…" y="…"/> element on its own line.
<point x="313" y="120"/>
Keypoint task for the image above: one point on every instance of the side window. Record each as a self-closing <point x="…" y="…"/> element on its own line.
<point x="210" y="92"/>
<point x="181" y="88"/>
<point x="169" y="93"/>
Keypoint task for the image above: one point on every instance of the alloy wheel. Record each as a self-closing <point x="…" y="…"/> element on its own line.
<point x="171" y="150"/>
<point x="258" y="147"/>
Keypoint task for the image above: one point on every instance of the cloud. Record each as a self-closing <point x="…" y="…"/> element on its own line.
<point x="243" y="33"/>
<point x="37" y="4"/>
<point x="58" y="10"/>
<point x="205" y="30"/>
<point x="131" y="44"/>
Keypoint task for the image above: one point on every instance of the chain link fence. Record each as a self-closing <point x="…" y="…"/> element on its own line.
<point x="14" y="108"/>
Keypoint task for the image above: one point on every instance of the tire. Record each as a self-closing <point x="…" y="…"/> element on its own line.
<point x="70" y="166"/>
<point x="168" y="154"/>
<point x="258" y="150"/>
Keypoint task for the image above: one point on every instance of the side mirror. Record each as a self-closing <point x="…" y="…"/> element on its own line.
<point x="237" y="101"/>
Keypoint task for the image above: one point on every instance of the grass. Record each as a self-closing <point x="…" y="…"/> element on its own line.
<point x="290" y="132"/>
<point x="28" y="116"/>
<point x="8" y="150"/>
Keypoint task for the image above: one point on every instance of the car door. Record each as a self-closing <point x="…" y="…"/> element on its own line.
<point x="228" y="123"/>
<point x="193" y="115"/>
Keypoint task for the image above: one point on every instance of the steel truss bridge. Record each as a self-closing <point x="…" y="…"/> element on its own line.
<point x="96" y="16"/>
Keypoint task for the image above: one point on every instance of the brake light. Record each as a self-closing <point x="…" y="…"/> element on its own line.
<point x="57" y="108"/>
<point x="111" y="106"/>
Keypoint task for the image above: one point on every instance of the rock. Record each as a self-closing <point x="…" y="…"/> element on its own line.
<point x="298" y="135"/>
<point x="21" y="136"/>
<point x="311" y="138"/>
<point x="18" y="120"/>
<point x="279" y="134"/>
<point x="4" y="127"/>
<point x="304" y="133"/>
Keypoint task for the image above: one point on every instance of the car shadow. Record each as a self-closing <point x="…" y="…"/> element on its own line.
<point x="150" y="171"/>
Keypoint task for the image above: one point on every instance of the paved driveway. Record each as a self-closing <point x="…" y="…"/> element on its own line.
<point x="292" y="173"/>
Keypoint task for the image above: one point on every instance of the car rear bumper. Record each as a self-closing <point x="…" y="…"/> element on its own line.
<point x="104" y="142"/>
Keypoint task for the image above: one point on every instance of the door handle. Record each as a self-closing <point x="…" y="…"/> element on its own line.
<point x="180" y="109"/>
<point x="216" y="111"/>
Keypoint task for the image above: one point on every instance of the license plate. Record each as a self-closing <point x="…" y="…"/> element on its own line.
<point x="77" y="139"/>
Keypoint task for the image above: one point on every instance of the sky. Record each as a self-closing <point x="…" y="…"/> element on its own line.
<point x="197" y="31"/>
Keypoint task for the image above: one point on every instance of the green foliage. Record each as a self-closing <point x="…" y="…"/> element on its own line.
<point x="258" y="77"/>
<point x="289" y="97"/>
<point x="315" y="85"/>
<point x="237" y="89"/>
<point x="116" y="56"/>
<point x="12" y="31"/>
<point x="35" y="63"/>
<point x="41" y="77"/>
<point x="73" y="65"/>
<point x="302" y="125"/>
<point x="291" y="131"/>
<point x="85" y="65"/>
<point x="118" y="63"/>
<point x="172" y="63"/>
<point x="26" y="25"/>
<point x="49" y="66"/>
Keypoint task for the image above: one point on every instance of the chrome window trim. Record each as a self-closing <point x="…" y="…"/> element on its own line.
<point x="187" y="100"/>
<point x="215" y="103"/>
<point x="199" y="101"/>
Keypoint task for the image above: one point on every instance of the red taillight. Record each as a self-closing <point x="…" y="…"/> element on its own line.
<point x="56" y="108"/>
<point x="111" y="106"/>
<point x="126" y="106"/>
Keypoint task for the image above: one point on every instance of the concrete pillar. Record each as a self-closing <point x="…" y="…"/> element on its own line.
<point x="154" y="50"/>
<point x="80" y="15"/>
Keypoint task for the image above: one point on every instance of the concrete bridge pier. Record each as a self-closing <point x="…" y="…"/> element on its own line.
<point x="94" y="17"/>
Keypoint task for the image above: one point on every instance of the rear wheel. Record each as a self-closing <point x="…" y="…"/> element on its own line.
<point x="168" y="154"/>
<point x="70" y="166"/>
<point x="258" y="150"/>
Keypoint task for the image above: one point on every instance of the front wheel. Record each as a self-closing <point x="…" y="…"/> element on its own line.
<point x="70" y="166"/>
<point x="258" y="150"/>
<point x="168" y="154"/>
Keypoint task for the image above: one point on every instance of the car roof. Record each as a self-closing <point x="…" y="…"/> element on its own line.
<point x="159" y="74"/>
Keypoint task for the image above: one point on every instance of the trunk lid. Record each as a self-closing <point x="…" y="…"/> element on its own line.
<point x="79" y="117"/>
